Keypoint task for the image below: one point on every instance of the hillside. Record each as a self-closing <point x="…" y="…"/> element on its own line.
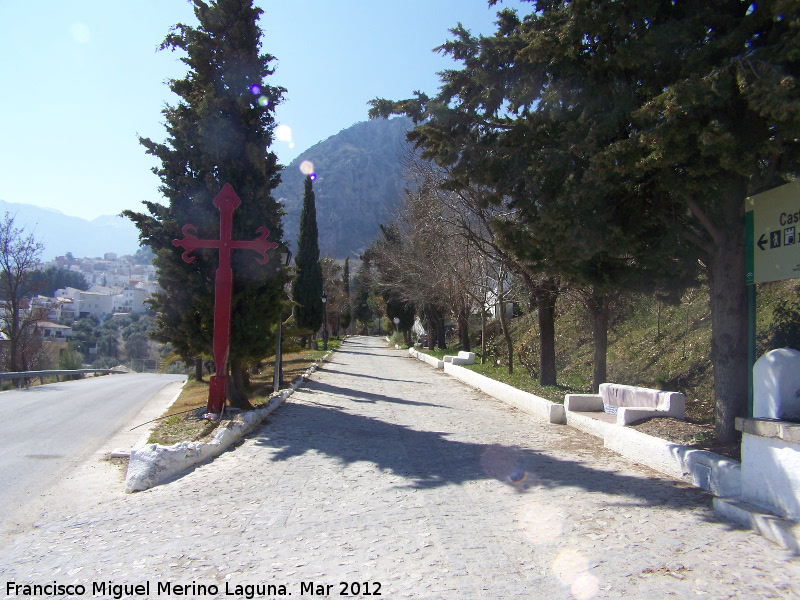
<point x="359" y="177"/>
<point x="649" y="345"/>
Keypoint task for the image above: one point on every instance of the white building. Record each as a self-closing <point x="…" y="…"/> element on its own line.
<point x="131" y="300"/>
<point x="87" y="303"/>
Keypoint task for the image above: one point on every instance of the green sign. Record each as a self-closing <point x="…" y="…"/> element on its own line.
<point x="772" y="234"/>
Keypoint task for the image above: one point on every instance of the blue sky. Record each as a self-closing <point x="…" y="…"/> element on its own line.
<point x="80" y="79"/>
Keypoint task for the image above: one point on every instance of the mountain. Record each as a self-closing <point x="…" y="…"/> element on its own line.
<point x="359" y="178"/>
<point x="61" y="233"/>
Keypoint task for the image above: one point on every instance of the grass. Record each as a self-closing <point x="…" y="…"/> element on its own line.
<point x="650" y="345"/>
<point x="184" y="419"/>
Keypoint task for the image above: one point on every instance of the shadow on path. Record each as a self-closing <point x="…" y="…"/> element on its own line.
<point x="387" y="379"/>
<point x="427" y="459"/>
<point x="359" y="395"/>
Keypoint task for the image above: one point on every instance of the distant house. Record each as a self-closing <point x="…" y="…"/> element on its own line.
<point x="87" y="303"/>
<point x="66" y="308"/>
<point x="53" y="331"/>
<point x="132" y="300"/>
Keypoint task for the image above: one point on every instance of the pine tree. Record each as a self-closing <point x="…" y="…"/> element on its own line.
<point x="307" y="286"/>
<point x="217" y="133"/>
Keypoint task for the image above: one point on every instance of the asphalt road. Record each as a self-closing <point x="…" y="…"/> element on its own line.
<point x="45" y="431"/>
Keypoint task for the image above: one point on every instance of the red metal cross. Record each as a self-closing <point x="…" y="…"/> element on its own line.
<point x="226" y="201"/>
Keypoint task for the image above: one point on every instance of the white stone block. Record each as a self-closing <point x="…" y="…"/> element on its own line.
<point x="776" y="385"/>
<point x="583" y="402"/>
<point x="771" y="474"/>
<point x="468" y="357"/>
<point x="672" y="404"/>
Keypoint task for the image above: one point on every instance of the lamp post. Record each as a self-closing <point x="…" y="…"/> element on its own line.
<point x="277" y="376"/>
<point x="324" y="321"/>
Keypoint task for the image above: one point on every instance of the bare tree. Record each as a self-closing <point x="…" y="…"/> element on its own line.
<point x="333" y="287"/>
<point x="19" y="257"/>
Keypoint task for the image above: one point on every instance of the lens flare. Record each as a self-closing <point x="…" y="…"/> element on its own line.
<point x="263" y="101"/>
<point x="283" y="133"/>
<point x="569" y="565"/>
<point x="502" y="464"/>
<point x="571" y="568"/>
<point x="312" y="176"/>
<point x="255" y="89"/>
<point x="306" y="167"/>
<point x="499" y="462"/>
<point x="585" y="586"/>
<point x="542" y="523"/>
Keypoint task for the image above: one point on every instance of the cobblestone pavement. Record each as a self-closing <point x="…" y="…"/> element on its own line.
<point x="391" y="476"/>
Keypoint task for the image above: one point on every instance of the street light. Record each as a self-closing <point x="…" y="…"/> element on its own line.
<point x="324" y="321"/>
<point x="277" y="377"/>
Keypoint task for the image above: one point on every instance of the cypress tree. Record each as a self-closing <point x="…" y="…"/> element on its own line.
<point x="346" y="315"/>
<point x="307" y="286"/>
<point x="217" y="133"/>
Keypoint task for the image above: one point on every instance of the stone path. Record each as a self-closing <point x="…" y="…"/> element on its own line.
<point x="389" y="475"/>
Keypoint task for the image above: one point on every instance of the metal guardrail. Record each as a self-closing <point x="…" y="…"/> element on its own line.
<point x="23" y="376"/>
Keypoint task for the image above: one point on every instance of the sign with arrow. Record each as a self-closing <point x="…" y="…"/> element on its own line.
<point x="772" y="234"/>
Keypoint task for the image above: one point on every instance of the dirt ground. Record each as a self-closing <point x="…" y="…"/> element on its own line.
<point x="689" y="434"/>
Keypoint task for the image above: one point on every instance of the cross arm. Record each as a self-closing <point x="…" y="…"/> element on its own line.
<point x="190" y="243"/>
<point x="260" y="245"/>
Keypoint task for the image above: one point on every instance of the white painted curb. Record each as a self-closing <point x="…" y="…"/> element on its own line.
<point x="525" y="401"/>
<point x="153" y="464"/>
<point x="431" y="360"/>
<point x="779" y="531"/>
<point x="716" y="474"/>
<point x="712" y="472"/>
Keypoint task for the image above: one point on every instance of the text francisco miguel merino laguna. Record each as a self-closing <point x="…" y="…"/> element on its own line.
<point x="118" y="591"/>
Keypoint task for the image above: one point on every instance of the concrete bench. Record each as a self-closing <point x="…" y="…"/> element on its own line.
<point x="463" y="358"/>
<point x="629" y="403"/>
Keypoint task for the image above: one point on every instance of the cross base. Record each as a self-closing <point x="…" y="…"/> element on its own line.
<point x="217" y="394"/>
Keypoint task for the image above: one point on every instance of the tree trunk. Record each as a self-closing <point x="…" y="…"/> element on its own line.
<point x="198" y="368"/>
<point x="598" y="305"/>
<point x="237" y="396"/>
<point x="483" y="332"/>
<point x="728" y="302"/>
<point x="463" y="329"/>
<point x="14" y="336"/>
<point x="440" y="334"/>
<point x="506" y="333"/>
<point x="546" y="307"/>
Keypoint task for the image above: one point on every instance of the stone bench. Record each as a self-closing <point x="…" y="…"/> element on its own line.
<point x="629" y="403"/>
<point x="463" y="358"/>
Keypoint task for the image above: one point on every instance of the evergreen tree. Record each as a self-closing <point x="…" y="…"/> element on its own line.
<point x="634" y="131"/>
<point x="724" y="128"/>
<point x="346" y="315"/>
<point x="53" y="278"/>
<point x="307" y="286"/>
<point x="217" y="133"/>
<point x="346" y="276"/>
<point x="361" y="292"/>
<point x="523" y="120"/>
